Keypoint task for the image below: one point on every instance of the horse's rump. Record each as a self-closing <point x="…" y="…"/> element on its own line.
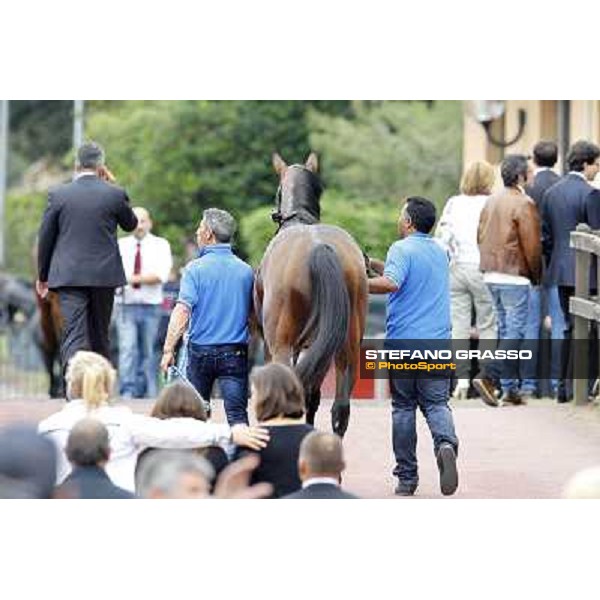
<point x="311" y="282"/>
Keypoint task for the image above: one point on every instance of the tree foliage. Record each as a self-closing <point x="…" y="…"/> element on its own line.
<point x="23" y="217"/>
<point x="391" y="149"/>
<point x="39" y="129"/>
<point x="178" y="158"/>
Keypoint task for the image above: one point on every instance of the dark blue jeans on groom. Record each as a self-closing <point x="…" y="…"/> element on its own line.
<point x="431" y="397"/>
<point x="227" y="363"/>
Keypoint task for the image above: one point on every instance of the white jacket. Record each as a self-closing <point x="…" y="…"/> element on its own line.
<point x="457" y="228"/>
<point x="129" y="434"/>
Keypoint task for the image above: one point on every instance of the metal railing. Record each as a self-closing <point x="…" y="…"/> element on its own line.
<point x="22" y="374"/>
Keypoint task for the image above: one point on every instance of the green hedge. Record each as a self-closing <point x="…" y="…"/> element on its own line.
<point x="23" y="218"/>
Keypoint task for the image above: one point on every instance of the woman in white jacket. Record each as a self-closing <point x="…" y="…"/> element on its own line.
<point x="90" y="381"/>
<point x="457" y="230"/>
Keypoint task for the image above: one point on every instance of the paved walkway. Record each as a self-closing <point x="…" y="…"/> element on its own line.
<point x="508" y="452"/>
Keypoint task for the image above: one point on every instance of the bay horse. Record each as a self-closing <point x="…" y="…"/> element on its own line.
<point x="49" y="342"/>
<point x="310" y="292"/>
<point x="48" y="334"/>
<point x="44" y="325"/>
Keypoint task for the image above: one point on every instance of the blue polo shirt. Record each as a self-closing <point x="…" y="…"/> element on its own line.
<point x="420" y="307"/>
<point x="217" y="288"/>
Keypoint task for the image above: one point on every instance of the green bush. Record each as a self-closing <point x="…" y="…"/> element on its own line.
<point x="23" y="218"/>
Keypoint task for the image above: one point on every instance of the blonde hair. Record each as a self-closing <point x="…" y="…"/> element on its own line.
<point x="478" y="179"/>
<point x="90" y="377"/>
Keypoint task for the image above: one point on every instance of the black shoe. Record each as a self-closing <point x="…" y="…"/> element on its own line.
<point x="446" y="460"/>
<point x="405" y="489"/>
<point x="486" y="389"/>
<point x="513" y="398"/>
<point x="562" y="392"/>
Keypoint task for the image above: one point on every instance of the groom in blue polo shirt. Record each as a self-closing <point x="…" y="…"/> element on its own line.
<point x="415" y="275"/>
<point x="214" y="304"/>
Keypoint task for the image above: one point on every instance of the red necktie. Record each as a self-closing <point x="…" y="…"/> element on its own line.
<point x="137" y="265"/>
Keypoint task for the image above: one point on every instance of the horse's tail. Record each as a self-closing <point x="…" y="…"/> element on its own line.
<point x="327" y="325"/>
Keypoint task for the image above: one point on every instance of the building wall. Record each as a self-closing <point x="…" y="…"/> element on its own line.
<point x="543" y="122"/>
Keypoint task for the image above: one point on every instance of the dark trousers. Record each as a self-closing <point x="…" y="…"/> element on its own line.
<point x="227" y="363"/>
<point x="566" y="371"/>
<point x="431" y="397"/>
<point x="86" y="313"/>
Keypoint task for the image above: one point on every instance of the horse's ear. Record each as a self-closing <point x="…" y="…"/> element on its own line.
<point x="278" y="163"/>
<point x="312" y="162"/>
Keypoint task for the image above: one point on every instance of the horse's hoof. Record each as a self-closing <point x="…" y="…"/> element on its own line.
<point x="340" y="416"/>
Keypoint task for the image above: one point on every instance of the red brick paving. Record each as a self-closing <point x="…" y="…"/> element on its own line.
<point x="509" y="452"/>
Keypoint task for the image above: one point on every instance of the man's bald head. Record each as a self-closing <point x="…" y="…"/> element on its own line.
<point x="88" y="444"/>
<point x="321" y="455"/>
<point x="144" y="225"/>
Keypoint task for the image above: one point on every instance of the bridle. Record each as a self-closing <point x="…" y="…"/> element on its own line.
<point x="277" y="216"/>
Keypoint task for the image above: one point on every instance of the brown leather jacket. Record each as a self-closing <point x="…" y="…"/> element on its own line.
<point x="509" y="235"/>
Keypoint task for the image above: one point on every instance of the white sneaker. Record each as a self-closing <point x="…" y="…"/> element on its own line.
<point x="461" y="389"/>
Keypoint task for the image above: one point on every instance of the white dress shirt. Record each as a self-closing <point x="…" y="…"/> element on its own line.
<point x="129" y="434"/>
<point x="156" y="260"/>
<point x="317" y="480"/>
<point x="579" y="174"/>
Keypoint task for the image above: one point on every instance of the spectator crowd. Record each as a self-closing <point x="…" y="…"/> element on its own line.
<point x="95" y="448"/>
<point x="512" y="270"/>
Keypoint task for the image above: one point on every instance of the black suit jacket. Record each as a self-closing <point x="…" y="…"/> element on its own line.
<point x="544" y="180"/>
<point x="92" y="483"/>
<point x="592" y="208"/>
<point x="77" y="245"/>
<point x="321" y="491"/>
<point x="564" y="206"/>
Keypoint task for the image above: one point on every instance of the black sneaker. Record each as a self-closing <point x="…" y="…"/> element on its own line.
<point x="486" y="389"/>
<point x="405" y="489"/>
<point x="446" y="460"/>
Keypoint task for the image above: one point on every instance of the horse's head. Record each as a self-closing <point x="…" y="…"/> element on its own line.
<point x="299" y="191"/>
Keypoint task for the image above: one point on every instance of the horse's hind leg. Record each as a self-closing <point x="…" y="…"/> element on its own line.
<point x="340" y="411"/>
<point x="346" y="366"/>
<point x="313" y="400"/>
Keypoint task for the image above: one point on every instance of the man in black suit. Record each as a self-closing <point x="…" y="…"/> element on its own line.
<point x="543" y="299"/>
<point x="320" y="465"/>
<point x="88" y="450"/>
<point x="565" y="205"/>
<point x="545" y="155"/>
<point x="78" y="255"/>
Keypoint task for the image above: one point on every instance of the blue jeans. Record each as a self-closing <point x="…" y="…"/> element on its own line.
<point x="512" y="306"/>
<point x="431" y="396"/>
<point x="137" y="325"/>
<point x="229" y="365"/>
<point x="543" y="301"/>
